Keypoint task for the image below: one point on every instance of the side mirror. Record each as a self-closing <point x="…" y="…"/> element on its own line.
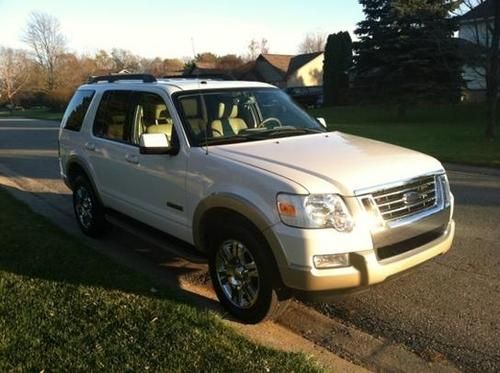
<point x="322" y="121"/>
<point x="154" y="143"/>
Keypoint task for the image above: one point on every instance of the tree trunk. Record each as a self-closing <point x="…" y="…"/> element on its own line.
<point x="492" y="74"/>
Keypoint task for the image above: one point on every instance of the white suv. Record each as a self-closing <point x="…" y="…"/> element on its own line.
<point x="277" y="204"/>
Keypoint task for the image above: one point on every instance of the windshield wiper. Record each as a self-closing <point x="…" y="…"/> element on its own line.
<point x="224" y="140"/>
<point x="282" y="131"/>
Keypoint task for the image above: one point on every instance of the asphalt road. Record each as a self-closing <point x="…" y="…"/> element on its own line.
<point x="447" y="309"/>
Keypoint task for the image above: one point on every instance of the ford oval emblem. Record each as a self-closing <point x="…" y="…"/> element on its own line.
<point x="411" y="197"/>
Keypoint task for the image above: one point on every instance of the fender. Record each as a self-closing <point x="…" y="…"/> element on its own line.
<point x="247" y="209"/>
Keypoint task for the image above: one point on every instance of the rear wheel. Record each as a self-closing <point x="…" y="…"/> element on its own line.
<point x="88" y="209"/>
<point x="242" y="274"/>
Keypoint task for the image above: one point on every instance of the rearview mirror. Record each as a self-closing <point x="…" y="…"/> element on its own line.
<point x="322" y="121"/>
<point x="154" y="143"/>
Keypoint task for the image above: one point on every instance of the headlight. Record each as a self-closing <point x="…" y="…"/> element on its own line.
<point x="315" y="211"/>
<point x="444" y="185"/>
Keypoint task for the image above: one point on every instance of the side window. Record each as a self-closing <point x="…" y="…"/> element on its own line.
<point x="150" y="115"/>
<point x="112" y="117"/>
<point x="77" y="108"/>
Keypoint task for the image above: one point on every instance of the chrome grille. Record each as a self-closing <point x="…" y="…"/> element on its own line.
<point x="404" y="200"/>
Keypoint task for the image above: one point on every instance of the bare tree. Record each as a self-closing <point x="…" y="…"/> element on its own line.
<point x="124" y="60"/>
<point x="44" y="37"/>
<point x="484" y="31"/>
<point x="313" y="42"/>
<point x="15" y="68"/>
<point x="256" y="47"/>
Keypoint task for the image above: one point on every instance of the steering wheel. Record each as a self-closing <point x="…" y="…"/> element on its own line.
<point x="270" y="119"/>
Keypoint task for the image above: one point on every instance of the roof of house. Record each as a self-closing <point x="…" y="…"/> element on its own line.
<point x="288" y="64"/>
<point x="482" y="11"/>
<point x="279" y="61"/>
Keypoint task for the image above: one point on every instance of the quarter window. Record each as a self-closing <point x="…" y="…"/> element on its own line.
<point x="77" y="108"/>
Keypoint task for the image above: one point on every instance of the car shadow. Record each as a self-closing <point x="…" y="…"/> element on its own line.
<point x="123" y="262"/>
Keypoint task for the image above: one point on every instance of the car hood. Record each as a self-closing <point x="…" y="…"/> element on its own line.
<point x="331" y="162"/>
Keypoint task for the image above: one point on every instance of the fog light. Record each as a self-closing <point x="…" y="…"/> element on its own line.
<point x="331" y="261"/>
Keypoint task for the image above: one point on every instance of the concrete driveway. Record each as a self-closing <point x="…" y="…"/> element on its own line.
<point x="447" y="309"/>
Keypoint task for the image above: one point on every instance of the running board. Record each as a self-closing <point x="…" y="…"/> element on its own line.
<point x="155" y="237"/>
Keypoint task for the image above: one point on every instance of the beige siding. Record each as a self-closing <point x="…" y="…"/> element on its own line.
<point x="311" y="74"/>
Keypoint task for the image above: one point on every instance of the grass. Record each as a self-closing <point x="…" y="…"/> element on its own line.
<point x="41" y="113"/>
<point x="451" y="133"/>
<point x="65" y="307"/>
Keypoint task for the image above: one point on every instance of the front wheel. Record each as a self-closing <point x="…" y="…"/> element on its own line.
<point x="242" y="274"/>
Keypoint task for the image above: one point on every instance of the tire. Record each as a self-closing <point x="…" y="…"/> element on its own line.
<point x="89" y="211"/>
<point x="239" y="257"/>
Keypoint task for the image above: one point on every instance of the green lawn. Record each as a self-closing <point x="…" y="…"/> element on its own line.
<point x="65" y="307"/>
<point x="32" y="113"/>
<point x="452" y="133"/>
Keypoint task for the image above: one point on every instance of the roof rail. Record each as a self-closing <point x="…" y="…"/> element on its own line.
<point x="146" y="78"/>
<point x="200" y="76"/>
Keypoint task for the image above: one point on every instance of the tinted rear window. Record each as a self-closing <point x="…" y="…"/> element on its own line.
<point x="77" y="109"/>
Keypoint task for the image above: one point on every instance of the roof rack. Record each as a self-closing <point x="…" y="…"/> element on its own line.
<point x="146" y="78"/>
<point x="200" y="76"/>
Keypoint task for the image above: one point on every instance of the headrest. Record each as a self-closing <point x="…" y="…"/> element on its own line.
<point x="224" y="113"/>
<point x="161" y="111"/>
<point x="190" y="107"/>
<point x="163" y="114"/>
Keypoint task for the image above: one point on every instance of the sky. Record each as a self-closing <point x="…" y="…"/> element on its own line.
<point x="170" y="29"/>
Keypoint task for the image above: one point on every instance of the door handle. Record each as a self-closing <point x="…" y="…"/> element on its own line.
<point x="90" y="146"/>
<point x="131" y="158"/>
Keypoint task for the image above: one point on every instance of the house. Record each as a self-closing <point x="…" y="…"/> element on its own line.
<point x="474" y="37"/>
<point x="282" y="70"/>
<point x="291" y="71"/>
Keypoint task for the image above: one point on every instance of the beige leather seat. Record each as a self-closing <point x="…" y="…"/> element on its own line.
<point x="163" y="123"/>
<point x="114" y="130"/>
<point x="191" y="113"/>
<point x="227" y="121"/>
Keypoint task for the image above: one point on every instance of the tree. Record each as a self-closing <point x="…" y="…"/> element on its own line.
<point x="406" y="52"/>
<point x="338" y="60"/>
<point x="256" y="47"/>
<point x="15" y="68"/>
<point x="229" y="61"/>
<point x="44" y="37"/>
<point x="124" y="60"/>
<point x="207" y="57"/>
<point x="104" y="63"/>
<point x="313" y="42"/>
<point x="484" y="31"/>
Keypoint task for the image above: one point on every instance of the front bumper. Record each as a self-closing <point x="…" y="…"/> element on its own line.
<point x="366" y="268"/>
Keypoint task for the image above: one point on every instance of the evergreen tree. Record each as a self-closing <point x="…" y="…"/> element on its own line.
<point x="338" y="60"/>
<point x="406" y="52"/>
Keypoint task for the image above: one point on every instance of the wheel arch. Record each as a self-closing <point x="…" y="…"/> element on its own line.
<point x="75" y="166"/>
<point x="234" y="207"/>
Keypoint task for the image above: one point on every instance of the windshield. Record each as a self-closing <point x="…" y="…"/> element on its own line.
<point x="229" y="116"/>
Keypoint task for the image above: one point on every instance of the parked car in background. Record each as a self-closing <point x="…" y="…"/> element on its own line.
<point x="306" y="97"/>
